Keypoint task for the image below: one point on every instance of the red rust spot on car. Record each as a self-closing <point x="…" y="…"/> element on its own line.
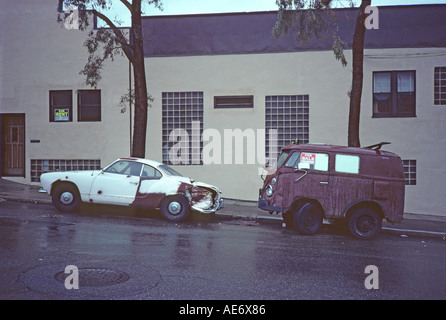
<point x="148" y="200"/>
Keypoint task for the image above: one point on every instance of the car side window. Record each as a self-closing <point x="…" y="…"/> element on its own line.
<point x="150" y="172"/>
<point x="129" y="168"/>
<point x="347" y="163"/>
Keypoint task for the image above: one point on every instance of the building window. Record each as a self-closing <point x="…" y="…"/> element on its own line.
<point x="289" y="115"/>
<point x="89" y="105"/>
<point x="410" y="172"/>
<point x="394" y="94"/>
<point x="182" y="128"/>
<point x="61" y="106"/>
<point x="440" y="86"/>
<point x="225" y="102"/>
<point x="41" y="166"/>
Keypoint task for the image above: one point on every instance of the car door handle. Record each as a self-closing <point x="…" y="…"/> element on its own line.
<point x="135" y="183"/>
<point x="323" y="182"/>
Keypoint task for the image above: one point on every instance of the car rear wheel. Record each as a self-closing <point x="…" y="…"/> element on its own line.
<point x="175" y="208"/>
<point x="307" y="219"/>
<point x="66" y="198"/>
<point x="365" y="223"/>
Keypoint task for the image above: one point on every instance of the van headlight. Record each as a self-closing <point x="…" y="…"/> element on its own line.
<point x="269" y="190"/>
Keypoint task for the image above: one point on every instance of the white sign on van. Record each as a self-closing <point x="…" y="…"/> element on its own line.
<point x="308" y="158"/>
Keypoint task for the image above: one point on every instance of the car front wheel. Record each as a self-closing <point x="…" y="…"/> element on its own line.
<point x="66" y="198"/>
<point x="175" y="208"/>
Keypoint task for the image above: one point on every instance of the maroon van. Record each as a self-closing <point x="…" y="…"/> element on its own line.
<point x="314" y="181"/>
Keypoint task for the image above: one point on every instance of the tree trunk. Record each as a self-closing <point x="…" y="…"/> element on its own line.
<point x="141" y="105"/>
<point x="357" y="77"/>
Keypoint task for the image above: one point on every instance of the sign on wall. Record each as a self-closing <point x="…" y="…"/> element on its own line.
<point x="61" y="114"/>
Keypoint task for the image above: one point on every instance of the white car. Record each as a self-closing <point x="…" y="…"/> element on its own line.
<point x="133" y="182"/>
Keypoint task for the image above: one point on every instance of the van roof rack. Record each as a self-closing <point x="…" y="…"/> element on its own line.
<point x="377" y="146"/>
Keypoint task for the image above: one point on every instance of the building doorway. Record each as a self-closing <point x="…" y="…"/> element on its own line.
<point x="13" y="144"/>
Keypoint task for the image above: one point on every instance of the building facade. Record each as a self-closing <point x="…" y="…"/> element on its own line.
<point x="223" y="87"/>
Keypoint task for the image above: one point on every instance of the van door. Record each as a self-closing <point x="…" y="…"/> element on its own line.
<point x="343" y="184"/>
<point x="312" y="177"/>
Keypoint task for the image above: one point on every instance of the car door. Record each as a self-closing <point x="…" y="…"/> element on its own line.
<point x="117" y="184"/>
<point x="152" y="188"/>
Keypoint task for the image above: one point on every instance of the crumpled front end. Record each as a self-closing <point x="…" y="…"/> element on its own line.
<point x="205" y="198"/>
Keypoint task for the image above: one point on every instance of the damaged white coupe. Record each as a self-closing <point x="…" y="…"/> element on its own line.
<point x="134" y="182"/>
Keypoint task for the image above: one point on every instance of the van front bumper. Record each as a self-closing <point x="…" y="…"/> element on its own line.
<point x="264" y="205"/>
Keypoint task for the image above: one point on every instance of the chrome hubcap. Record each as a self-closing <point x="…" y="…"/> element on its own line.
<point x="174" y="207"/>
<point x="66" y="198"/>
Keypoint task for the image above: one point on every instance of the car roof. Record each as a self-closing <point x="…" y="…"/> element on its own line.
<point x="316" y="147"/>
<point x="149" y="162"/>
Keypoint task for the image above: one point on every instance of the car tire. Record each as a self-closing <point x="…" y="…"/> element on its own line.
<point x="307" y="219"/>
<point x="66" y="198"/>
<point x="175" y="208"/>
<point x="365" y="223"/>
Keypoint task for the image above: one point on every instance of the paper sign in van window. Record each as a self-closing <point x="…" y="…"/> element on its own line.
<point x="308" y="158"/>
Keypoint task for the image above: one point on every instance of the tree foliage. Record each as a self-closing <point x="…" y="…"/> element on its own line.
<point x="310" y="19"/>
<point x="315" y="19"/>
<point x="104" y="44"/>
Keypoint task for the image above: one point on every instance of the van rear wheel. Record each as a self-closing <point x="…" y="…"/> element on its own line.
<point x="365" y="223"/>
<point x="307" y="219"/>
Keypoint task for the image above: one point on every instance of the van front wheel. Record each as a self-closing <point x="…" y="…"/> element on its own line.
<point x="365" y="223"/>
<point x="307" y="219"/>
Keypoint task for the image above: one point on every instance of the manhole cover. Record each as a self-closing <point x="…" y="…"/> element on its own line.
<point x="94" y="277"/>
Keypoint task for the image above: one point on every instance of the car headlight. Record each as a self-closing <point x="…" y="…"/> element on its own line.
<point x="269" y="190"/>
<point x="273" y="181"/>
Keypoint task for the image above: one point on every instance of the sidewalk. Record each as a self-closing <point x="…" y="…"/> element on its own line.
<point x="412" y="225"/>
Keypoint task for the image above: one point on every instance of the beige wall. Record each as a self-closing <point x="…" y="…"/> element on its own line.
<point x="38" y="55"/>
<point x="327" y="83"/>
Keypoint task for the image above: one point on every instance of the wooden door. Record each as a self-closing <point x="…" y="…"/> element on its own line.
<point x="13" y="143"/>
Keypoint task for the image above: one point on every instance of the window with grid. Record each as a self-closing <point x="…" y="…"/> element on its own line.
<point x="410" y="172"/>
<point x="182" y="114"/>
<point x="289" y="115"/>
<point x="89" y="105"/>
<point x="39" y="166"/>
<point x="394" y="94"/>
<point x="440" y="86"/>
<point x="61" y="106"/>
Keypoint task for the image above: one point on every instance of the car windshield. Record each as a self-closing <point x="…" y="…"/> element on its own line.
<point x="169" y="171"/>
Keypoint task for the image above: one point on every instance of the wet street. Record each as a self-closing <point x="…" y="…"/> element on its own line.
<point x="126" y="254"/>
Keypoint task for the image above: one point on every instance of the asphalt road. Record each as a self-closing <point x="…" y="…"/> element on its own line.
<point x="126" y="254"/>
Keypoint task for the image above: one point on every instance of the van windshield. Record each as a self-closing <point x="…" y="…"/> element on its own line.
<point x="282" y="158"/>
